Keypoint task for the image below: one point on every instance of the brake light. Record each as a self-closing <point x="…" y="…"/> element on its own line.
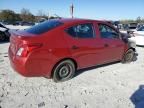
<point x="26" y="49"/>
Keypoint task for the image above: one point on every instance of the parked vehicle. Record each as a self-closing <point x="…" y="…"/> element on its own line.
<point x="140" y="25"/>
<point x="4" y="33"/>
<point x="57" y="48"/>
<point x="138" y="36"/>
<point x="132" y="27"/>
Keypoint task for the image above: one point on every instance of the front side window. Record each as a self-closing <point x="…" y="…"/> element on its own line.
<point x="81" y="31"/>
<point x="107" y="32"/>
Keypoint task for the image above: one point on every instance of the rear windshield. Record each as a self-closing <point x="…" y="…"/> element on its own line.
<point x="132" y="27"/>
<point x="44" y="27"/>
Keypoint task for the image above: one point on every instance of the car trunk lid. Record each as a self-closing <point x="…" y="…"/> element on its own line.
<point x="19" y="38"/>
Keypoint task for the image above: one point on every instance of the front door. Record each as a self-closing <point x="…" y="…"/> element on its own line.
<point x="114" y="46"/>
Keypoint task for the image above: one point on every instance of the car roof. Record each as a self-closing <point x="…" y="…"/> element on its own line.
<point x="71" y="21"/>
<point x="76" y="20"/>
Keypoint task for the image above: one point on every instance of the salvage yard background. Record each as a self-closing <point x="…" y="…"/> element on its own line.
<point x="113" y="85"/>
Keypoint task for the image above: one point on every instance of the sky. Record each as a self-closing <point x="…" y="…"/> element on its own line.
<point x="91" y="9"/>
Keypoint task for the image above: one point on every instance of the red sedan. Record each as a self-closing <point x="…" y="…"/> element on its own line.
<point x="57" y="48"/>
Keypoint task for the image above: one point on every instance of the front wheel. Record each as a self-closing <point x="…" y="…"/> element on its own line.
<point x="65" y="70"/>
<point x="128" y="56"/>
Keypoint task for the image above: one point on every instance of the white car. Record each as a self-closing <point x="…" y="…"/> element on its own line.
<point x="138" y="36"/>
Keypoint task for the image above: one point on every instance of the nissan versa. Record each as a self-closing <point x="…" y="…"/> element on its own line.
<point x="57" y="48"/>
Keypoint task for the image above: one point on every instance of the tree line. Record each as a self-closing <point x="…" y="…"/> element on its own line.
<point x="137" y="20"/>
<point x="25" y="15"/>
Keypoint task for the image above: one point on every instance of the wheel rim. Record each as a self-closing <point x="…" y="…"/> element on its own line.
<point x="129" y="56"/>
<point x="65" y="71"/>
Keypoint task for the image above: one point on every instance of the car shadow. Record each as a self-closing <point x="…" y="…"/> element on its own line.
<point x="78" y="72"/>
<point x="3" y="42"/>
<point x="137" y="97"/>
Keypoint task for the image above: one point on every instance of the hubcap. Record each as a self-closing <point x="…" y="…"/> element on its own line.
<point x="64" y="71"/>
<point x="129" y="56"/>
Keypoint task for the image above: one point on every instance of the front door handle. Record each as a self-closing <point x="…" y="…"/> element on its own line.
<point x="75" y="47"/>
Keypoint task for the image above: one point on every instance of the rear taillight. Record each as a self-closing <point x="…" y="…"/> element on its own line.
<point x="24" y="50"/>
<point x="20" y="51"/>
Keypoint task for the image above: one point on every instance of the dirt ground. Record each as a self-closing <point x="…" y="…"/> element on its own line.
<point x="111" y="86"/>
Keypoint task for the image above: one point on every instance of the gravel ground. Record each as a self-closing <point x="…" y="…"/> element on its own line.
<point x="111" y="86"/>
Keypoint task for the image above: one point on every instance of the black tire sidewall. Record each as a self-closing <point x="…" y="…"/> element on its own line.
<point x="56" y="71"/>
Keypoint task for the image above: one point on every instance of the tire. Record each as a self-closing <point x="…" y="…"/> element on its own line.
<point x="2" y="37"/>
<point x="128" y="56"/>
<point x="63" y="71"/>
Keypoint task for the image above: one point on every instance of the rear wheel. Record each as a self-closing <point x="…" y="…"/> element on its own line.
<point x="65" y="70"/>
<point x="128" y="56"/>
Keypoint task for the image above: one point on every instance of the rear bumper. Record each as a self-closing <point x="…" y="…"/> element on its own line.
<point x="18" y="67"/>
<point x="28" y="67"/>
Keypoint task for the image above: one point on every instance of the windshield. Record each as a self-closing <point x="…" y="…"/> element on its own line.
<point x="44" y="27"/>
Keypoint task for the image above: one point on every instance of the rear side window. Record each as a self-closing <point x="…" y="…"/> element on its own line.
<point x="44" y="27"/>
<point x="81" y="31"/>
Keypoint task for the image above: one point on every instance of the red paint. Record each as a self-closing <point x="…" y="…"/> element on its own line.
<point x="42" y="52"/>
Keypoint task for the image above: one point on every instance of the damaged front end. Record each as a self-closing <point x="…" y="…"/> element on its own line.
<point x="126" y="38"/>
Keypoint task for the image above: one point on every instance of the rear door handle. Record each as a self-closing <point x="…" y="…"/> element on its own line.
<point x="106" y="45"/>
<point x="75" y="47"/>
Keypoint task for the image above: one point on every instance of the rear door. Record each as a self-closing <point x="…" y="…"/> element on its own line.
<point x="83" y="44"/>
<point x="114" y="46"/>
